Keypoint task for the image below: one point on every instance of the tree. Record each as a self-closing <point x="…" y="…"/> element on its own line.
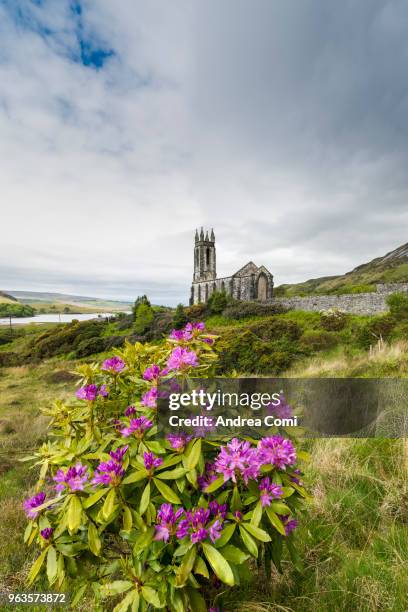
<point x="217" y="302"/>
<point x="144" y="317"/>
<point x="180" y="317"/>
<point x="141" y="299"/>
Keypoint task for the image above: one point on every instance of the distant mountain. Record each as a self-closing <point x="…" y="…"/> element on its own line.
<point x="36" y="297"/>
<point x="6" y="298"/>
<point x="390" y="268"/>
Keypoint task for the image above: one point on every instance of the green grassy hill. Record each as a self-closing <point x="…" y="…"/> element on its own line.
<point x="391" y="268"/>
<point x="6" y="298"/>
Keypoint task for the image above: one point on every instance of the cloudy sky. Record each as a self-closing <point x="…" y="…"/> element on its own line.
<point x="124" y="125"/>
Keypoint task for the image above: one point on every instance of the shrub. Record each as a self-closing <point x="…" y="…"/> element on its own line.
<point x="180" y="317"/>
<point x="144" y="318"/>
<point x="376" y="328"/>
<point x="218" y="301"/>
<point x="244" y="310"/>
<point x="333" y="319"/>
<point x="319" y="340"/>
<point x="154" y="522"/>
<point x="398" y="305"/>
<point x="196" y="312"/>
<point x="16" y="310"/>
<point x="264" y="347"/>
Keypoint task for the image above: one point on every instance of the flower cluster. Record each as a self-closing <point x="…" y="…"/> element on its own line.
<point x="73" y="479"/>
<point x="208" y="477"/>
<point x="269" y="490"/>
<point x="197" y="526"/>
<point x="91" y="392"/>
<point x="188" y="332"/>
<point x="114" y="365"/>
<point x="151" y="462"/>
<point x="154" y="372"/>
<point x="182" y="358"/>
<point x="137" y="427"/>
<point x="277" y="451"/>
<point x="110" y="473"/>
<point x="283" y="410"/>
<point x="178" y="441"/>
<point x="167" y="519"/>
<point x="32" y="503"/>
<point x="149" y="399"/>
<point x="236" y="459"/>
<point x="47" y="533"/>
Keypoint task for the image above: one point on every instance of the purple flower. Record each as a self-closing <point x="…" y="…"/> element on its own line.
<point x="137" y="427"/>
<point x="215" y="531"/>
<point x="91" y="392"/>
<point x="295" y="479"/>
<point x="196" y="525"/>
<point x="208" y="477"/>
<point x="46" y="533"/>
<point x="269" y="490"/>
<point x="73" y="479"/>
<point x="282" y="410"/>
<point x="178" y="441"/>
<point x="277" y="451"/>
<point x="218" y="510"/>
<point x="150" y="397"/>
<point x="238" y="515"/>
<point x="151" y="462"/>
<point x="154" y="372"/>
<point x="190" y="331"/>
<point x="114" y="365"/>
<point x="108" y="473"/>
<point x="32" y="503"/>
<point x="181" y="359"/>
<point x="238" y="459"/>
<point x="119" y="453"/>
<point x="167" y="522"/>
<point x="130" y="411"/>
<point x="208" y="340"/>
<point x="288" y="523"/>
<point x="177" y="334"/>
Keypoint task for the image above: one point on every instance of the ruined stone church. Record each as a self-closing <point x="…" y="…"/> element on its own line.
<point x="248" y="284"/>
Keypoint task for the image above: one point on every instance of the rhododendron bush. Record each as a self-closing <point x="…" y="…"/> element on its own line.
<point x="134" y="521"/>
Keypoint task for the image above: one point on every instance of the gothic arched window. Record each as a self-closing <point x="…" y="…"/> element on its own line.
<point x="207" y="257"/>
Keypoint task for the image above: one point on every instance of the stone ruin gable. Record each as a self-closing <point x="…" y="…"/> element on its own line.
<point x="249" y="268"/>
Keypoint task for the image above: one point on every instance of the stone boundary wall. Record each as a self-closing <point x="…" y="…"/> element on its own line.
<point x="354" y="303"/>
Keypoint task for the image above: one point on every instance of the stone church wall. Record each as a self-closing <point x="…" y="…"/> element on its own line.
<point x="354" y="303"/>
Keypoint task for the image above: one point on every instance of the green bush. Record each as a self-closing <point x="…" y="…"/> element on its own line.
<point x="264" y="347"/>
<point x="180" y="317"/>
<point x="197" y="312"/>
<point x="333" y="319"/>
<point x="398" y="305"/>
<point x="218" y="301"/>
<point x="144" y="318"/>
<point x="319" y="340"/>
<point x="245" y="310"/>
<point x="379" y="327"/>
<point x="16" y="310"/>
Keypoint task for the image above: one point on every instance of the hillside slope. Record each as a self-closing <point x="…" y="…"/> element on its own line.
<point x="6" y="298"/>
<point x="390" y="268"/>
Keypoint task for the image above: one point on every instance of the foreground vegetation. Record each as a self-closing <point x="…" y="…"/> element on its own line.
<point x="354" y="538"/>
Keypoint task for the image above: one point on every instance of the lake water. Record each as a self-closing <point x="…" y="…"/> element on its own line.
<point x="55" y="318"/>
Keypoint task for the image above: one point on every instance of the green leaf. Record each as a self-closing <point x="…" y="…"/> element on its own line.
<point x="226" y="535"/>
<point x="258" y="533"/>
<point x="145" y="499"/>
<point x="172" y="474"/>
<point x="249" y="542"/>
<point x="36" y="567"/>
<point x="235" y="500"/>
<point x="219" y="564"/>
<point x="234" y="554"/>
<point x="109" y="505"/>
<point x="74" y="514"/>
<point x="256" y="514"/>
<point x="287" y="492"/>
<point x="135" y="476"/>
<point x="197" y="601"/>
<point x="151" y="596"/>
<point x="280" y="508"/>
<point x="127" y="518"/>
<point x="186" y="567"/>
<point x="78" y="595"/>
<point x="92" y="499"/>
<point x="93" y="539"/>
<point x="275" y="521"/>
<point x="215" y="485"/>
<point x="51" y="564"/>
<point x="143" y="540"/>
<point x="123" y="605"/>
<point x="192" y="455"/>
<point x="116" y="587"/>
<point x="167" y="493"/>
<point x="201" y="568"/>
<point x="27" y="531"/>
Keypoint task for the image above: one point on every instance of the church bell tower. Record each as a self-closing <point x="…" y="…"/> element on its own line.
<point x="204" y="257"/>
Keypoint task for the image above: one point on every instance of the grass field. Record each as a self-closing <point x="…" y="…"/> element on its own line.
<point x="353" y="537"/>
